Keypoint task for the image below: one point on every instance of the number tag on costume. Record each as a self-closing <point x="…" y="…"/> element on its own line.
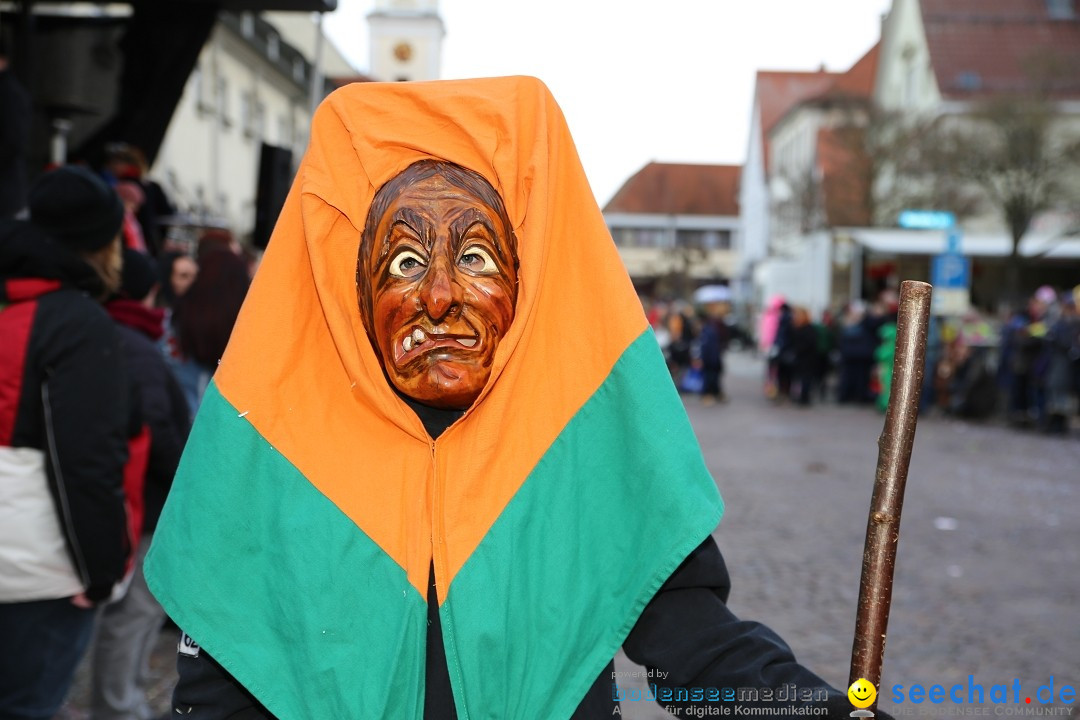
<point x="187" y="646"/>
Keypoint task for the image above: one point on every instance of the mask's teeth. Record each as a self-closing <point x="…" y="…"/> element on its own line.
<point x="407" y="344"/>
<point x="418" y="336"/>
<point x="468" y="342"/>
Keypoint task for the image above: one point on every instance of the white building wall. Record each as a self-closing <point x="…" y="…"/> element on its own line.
<point x="803" y="277"/>
<point x="905" y="78"/>
<point x="406" y="46"/>
<point x="753" y="242"/>
<point x="209" y="159"/>
<point x="409" y="5"/>
<point x="793" y="141"/>
<point x="302" y="31"/>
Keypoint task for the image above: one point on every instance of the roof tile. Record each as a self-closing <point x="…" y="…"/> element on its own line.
<point x="986" y="47"/>
<point x="679" y="189"/>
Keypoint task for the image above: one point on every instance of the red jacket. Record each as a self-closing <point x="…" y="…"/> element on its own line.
<point x="64" y="426"/>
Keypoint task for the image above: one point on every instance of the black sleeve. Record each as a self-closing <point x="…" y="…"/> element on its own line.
<point x="688" y="631"/>
<point x="165" y="411"/>
<point x="84" y="394"/>
<point x="206" y="691"/>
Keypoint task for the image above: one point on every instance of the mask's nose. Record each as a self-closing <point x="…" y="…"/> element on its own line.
<point x="441" y="293"/>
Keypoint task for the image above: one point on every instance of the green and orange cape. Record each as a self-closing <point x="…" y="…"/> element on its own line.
<point x="296" y="543"/>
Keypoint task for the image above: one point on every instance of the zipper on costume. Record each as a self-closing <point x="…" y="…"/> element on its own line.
<point x="437" y="558"/>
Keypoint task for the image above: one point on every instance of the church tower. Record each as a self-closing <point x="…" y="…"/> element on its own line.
<point x="406" y="40"/>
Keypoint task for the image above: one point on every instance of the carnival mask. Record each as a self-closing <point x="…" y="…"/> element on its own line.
<point x="437" y="281"/>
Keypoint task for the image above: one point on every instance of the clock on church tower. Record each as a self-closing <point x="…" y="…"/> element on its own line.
<point x="406" y="40"/>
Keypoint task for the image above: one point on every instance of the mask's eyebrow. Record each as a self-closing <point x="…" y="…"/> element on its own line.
<point x="405" y="216"/>
<point x="468" y="218"/>
<point x="408" y="217"/>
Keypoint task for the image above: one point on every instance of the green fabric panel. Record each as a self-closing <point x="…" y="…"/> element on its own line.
<point x="242" y="531"/>
<point x="618" y="501"/>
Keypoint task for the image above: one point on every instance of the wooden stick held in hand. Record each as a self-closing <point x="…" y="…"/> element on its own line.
<point x="894" y="456"/>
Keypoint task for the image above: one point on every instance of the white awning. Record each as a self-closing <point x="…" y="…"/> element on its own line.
<point x="896" y="241"/>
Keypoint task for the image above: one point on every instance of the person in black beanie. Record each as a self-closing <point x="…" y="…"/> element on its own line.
<point x="64" y="428"/>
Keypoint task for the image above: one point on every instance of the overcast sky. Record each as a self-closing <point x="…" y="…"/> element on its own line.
<point x="670" y="81"/>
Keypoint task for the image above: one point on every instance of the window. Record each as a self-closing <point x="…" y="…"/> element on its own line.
<point x="273" y="47"/>
<point x="259" y="121"/>
<point x="968" y="81"/>
<point x="639" y="237"/>
<point x="246" y="115"/>
<point x="247" y="25"/>
<point x="693" y="239"/>
<point x="1061" y="9"/>
<point x="298" y="70"/>
<point x="198" y="88"/>
<point x="221" y="100"/>
<point x="284" y="130"/>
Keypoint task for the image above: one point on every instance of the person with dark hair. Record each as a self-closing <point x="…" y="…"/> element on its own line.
<point x="127" y="628"/>
<point x="450" y="475"/>
<point x="783" y="353"/>
<point x="203" y="319"/>
<point x="803" y="348"/>
<point x="214" y="240"/>
<point x="64" y="426"/>
<point x="712" y="345"/>
<point x="176" y="271"/>
<point x="855" y="346"/>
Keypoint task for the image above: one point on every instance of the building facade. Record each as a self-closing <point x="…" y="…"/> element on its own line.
<point x="406" y="40"/>
<point x="825" y="183"/>
<point x="676" y="226"/>
<point x="250" y="88"/>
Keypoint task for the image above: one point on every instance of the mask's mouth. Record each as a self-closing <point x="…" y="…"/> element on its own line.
<point x="420" y="340"/>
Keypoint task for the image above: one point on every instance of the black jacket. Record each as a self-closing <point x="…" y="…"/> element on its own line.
<point x="161" y="402"/>
<point x="66" y="396"/>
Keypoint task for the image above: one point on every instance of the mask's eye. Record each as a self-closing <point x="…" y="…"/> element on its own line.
<point x="406" y="264"/>
<point x="476" y="260"/>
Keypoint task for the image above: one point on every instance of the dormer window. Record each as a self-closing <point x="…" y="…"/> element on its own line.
<point x="968" y="81"/>
<point x="273" y="47"/>
<point x="1061" y="9"/>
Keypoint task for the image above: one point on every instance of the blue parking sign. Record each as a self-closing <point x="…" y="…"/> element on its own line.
<point x="950" y="270"/>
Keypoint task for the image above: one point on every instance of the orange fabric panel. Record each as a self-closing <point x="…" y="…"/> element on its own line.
<point x="300" y="365"/>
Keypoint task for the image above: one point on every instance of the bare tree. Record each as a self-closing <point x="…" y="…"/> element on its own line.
<point x="797" y="202"/>
<point x="1015" y="154"/>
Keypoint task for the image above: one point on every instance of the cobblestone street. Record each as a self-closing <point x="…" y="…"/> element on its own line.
<point x="986" y="581"/>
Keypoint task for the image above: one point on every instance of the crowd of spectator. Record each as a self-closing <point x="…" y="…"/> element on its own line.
<point x="111" y="334"/>
<point x="1024" y="367"/>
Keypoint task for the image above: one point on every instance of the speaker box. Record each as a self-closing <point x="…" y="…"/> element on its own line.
<point x="275" y="177"/>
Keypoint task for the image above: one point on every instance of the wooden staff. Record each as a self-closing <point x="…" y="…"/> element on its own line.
<point x="894" y="456"/>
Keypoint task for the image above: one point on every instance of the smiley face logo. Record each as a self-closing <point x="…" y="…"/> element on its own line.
<point x="862" y="693"/>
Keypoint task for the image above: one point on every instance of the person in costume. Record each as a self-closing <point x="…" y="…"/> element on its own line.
<point x="442" y="470"/>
